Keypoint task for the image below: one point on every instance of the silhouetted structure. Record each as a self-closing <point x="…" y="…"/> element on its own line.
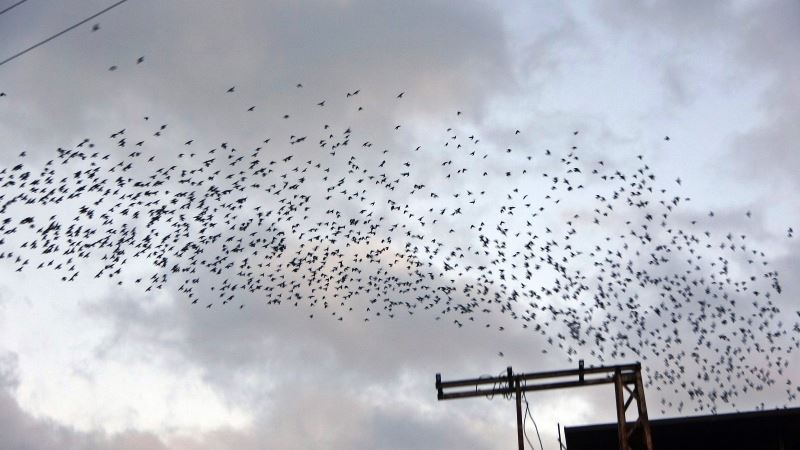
<point x="761" y="430"/>
<point x="626" y="378"/>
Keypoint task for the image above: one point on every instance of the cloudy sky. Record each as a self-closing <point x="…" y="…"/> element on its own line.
<point x="95" y="364"/>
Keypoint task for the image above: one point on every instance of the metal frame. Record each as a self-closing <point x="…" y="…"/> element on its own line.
<point x="625" y="378"/>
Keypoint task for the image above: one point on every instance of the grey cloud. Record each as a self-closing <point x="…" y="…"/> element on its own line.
<point x="768" y="44"/>
<point x="447" y="56"/>
<point x="446" y="59"/>
<point x="313" y="376"/>
<point x="279" y="338"/>
<point x="320" y="415"/>
<point x="681" y="20"/>
<point x="759" y="39"/>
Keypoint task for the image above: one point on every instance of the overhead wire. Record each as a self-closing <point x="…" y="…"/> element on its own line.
<point x="103" y="11"/>
<point x="12" y="7"/>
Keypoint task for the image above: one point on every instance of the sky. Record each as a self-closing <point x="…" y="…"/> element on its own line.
<point x="93" y="363"/>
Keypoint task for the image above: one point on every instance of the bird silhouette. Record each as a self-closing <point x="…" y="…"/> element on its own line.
<point x="603" y="259"/>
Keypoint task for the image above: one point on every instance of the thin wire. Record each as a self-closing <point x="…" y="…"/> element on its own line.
<point x="488" y="396"/>
<point x="508" y="394"/>
<point x="12" y="7"/>
<point x="494" y="386"/>
<point x="63" y="31"/>
<point x="528" y="413"/>
<point x="524" y="431"/>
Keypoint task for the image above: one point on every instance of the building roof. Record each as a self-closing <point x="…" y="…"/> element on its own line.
<point x="777" y="429"/>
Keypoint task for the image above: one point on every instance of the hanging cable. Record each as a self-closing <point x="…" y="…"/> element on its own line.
<point x="529" y="414"/>
<point x="62" y="32"/>
<point x="508" y="394"/>
<point x="524" y="431"/>
<point x="488" y="396"/>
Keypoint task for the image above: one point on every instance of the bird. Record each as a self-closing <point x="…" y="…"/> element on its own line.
<point x="140" y="60"/>
<point x="580" y="255"/>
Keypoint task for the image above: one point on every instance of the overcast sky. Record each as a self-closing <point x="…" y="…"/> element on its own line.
<point x="94" y="364"/>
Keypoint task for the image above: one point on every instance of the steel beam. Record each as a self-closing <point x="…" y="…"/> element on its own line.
<point x="516" y="384"/>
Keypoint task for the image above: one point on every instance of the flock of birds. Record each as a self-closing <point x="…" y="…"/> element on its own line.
<point x="600" y="257"/>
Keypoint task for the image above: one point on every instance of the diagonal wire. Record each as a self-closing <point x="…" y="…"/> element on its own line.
<point x="62" y="32"/>
<point x="12" y="7"/>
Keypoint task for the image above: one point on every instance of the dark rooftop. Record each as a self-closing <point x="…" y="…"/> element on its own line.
<point x="757" y="430"/>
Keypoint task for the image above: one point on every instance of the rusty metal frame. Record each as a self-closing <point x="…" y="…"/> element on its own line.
<point x="626" y="378"/>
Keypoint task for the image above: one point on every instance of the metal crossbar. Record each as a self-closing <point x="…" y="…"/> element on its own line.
<point x="622" y="376"/>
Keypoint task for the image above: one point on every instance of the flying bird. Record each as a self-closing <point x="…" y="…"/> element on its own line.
<point x="582" y="255"/>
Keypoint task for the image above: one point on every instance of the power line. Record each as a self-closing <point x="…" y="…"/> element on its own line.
<point x="12" y="7"/>
<point x="62" y="32"/>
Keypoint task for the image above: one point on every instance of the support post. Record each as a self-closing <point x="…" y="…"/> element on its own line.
<point x="520" y="430"/>
<point x="643" y="419"/>
<point x="622" y="433"/>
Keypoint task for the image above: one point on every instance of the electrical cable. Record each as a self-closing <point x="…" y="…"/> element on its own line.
<point x="529" y="414"/>
<point x="12" y="7"/>
<point x="488" y="396"/>
<point x="524" y="431"/>
<point x="63" y="31"/>
<point x="508" y="394"/>
<point x="494" y="386"/>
